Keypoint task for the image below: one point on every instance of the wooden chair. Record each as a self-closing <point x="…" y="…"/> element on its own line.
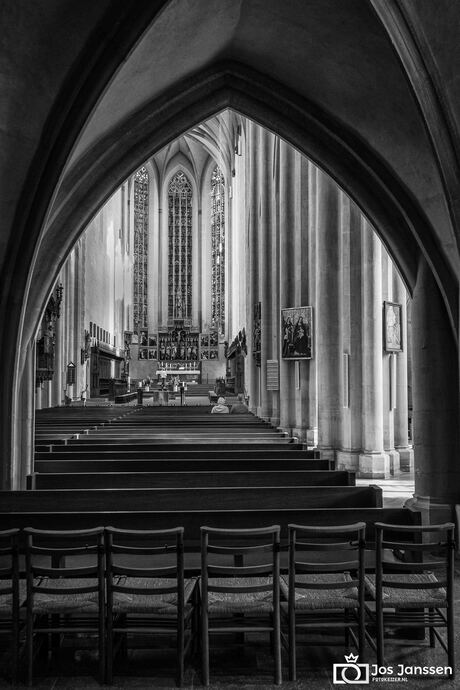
<point x="240" y="598"/>
<point x="325" y="590"/>
<point x="151" y="596"/>
<point x="12" y="593"/>
<point x="65" y="588"/>
<point x="413" y="583"/>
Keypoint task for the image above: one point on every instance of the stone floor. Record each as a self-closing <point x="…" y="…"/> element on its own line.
<point x="248" y="667"/>
<point x="396" y="490"/>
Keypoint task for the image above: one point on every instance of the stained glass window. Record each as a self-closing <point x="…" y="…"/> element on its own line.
<point x="218" y="250"/>
<point x="180" y="247"/>
<point x="141" y="228"/>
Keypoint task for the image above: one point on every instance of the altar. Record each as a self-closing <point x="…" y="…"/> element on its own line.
<point x="184" y="373"/>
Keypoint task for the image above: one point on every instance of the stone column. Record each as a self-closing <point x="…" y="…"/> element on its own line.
<point x="67" y="314"/>
<point x="78" y="318"/>
<point x="328" y="267"/>
<point x="59" y="365"/>
<point x="265" y="263"/>
<point x="311" y="393"/>
<point x="435" y="398"/>
<point x="275" y="272"/>
<point x="389" y="371"/>
<point x="344" y="455"/>
<point x="401" y="413"/>
<point x="23" y="432"/>
<point x="252" y="265"/>
<point x="286" y="274"/>
<point x="373" y="461"/>
<point x="302" y="269"/>
<point x="349" y="457"/>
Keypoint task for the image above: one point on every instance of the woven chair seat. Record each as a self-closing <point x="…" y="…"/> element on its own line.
<point x="160" y="604"/>
<point x="409" y="598"/>
<point x="81" y="602"/>
<point x="6" y="600"/>
<point x="256" y="603"/>
<point x="312" y="599"/>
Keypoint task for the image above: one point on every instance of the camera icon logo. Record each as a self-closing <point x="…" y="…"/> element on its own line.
<point x="350" y="673"/>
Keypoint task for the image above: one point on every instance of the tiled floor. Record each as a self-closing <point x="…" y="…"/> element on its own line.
<point x="246" y="667"/>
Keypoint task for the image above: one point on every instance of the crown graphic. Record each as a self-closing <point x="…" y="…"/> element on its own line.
<point x="351" y="658"/>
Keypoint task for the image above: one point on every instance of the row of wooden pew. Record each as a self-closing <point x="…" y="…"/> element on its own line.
<point x="157" y="467"/>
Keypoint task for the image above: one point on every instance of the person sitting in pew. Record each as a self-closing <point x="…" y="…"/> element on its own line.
<point x="220" y="408"/>
<point x="240" y="407"/>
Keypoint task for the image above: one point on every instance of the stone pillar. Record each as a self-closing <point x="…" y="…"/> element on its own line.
<point x="38" y="397"/>
<point x="373" y="461"/>
<point x="59" y="365"/>
<point x="275" y="273"/>
<point x="311" y="393"/>
<point x="435" y="399"/>
<point x="346" y="459"/>
<point x="265" y="263"/>
<point x="401" y="413"/>
<point x="286" y="274"/>
<point x="389" y="371"/>
<point x="302" y="268"/>
<point x="77" y="317"/>
<point x="350" y="457"/>
<point x="328" y="267"/>
<point x="252" y="265"/>
<point x="67" y="311"/>
<point x="23" y="430"/>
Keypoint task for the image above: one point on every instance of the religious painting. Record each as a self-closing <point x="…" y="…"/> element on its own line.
<point x="213" y="354"/>
<point x="143" y="353"/>
<point x="152" y="341"/>
<point x="257" y="333"/>
<point x="152" y="354"/>
<point x="135" y="339"/>
<point x="392" y="327"/>
<point x="143" y="336"/>
<point x="204" y="341"/>
<point x="296" y="333"/>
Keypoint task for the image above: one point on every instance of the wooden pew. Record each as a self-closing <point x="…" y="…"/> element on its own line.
<point x="169" y="464"/>
<point x="214" y="498"/>
<point x="172" y="453"/>
<point x="131" y="480"/>
<point x="85" y="445"/>
<point x="70" y="447"/>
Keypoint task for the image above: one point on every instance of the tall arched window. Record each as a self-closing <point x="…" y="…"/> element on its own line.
<point x="141" y="230"/>
<point x="218" y="250"/>
<point x="180" y="247"/>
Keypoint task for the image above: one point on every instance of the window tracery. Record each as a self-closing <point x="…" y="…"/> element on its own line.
<point x="218" y="250"/>
<point x="180" y="247"/>
<point x="141" y="228"/>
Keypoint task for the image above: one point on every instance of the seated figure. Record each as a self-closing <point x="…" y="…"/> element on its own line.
<point x="240" y="407"/>
<point x="220" y="408"/>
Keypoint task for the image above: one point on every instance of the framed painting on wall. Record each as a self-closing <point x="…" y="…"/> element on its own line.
<point x="392" y="327"/>
<point x="297" y="333"/>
